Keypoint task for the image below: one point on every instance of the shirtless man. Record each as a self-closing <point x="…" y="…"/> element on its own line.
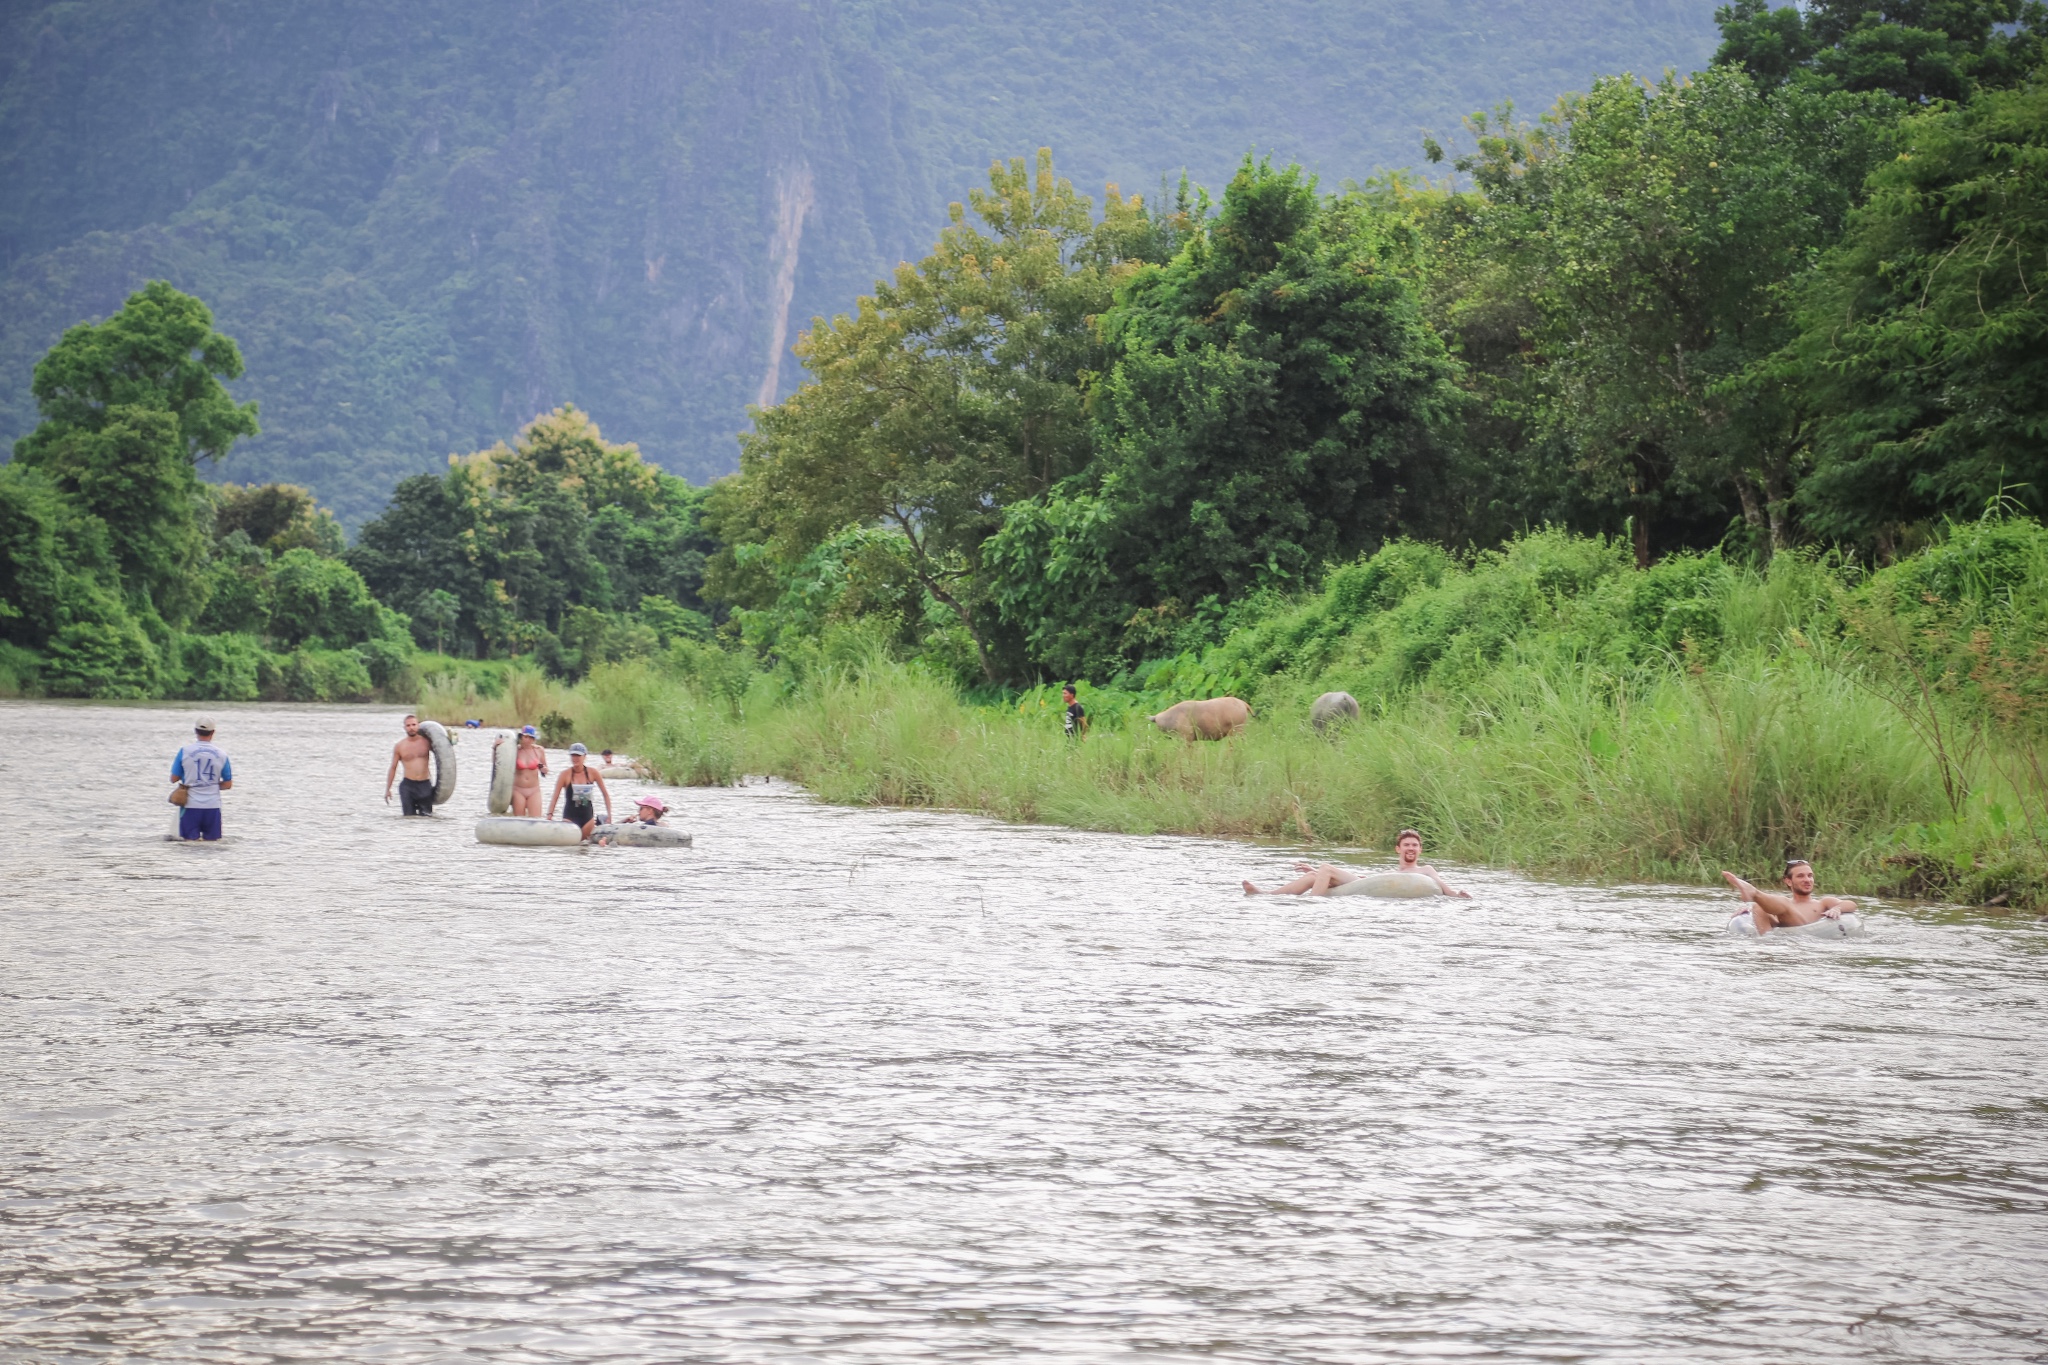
<point x="1319" y="878"/>
<point x="416" y="792"/>
<point x="1770" y="910"/>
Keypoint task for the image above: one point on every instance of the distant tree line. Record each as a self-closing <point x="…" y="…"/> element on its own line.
<point x="1794" y="300"/>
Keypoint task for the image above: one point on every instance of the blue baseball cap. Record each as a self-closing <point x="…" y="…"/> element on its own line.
<point x="578" y="749"/>
<point x="528" y="730"/>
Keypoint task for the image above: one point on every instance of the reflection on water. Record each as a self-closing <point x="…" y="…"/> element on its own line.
<point x="849" y="1084"/>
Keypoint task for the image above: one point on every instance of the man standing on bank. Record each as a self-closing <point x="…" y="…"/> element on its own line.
<point x="1077" y="714"/>
<point x="202" y="769"/>
<point x="416" y="791"/>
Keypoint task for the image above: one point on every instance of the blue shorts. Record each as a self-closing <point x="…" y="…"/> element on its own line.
<point x="199" y="824"/>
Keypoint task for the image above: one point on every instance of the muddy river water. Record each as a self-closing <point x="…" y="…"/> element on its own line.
<point x="844" y="1085"/>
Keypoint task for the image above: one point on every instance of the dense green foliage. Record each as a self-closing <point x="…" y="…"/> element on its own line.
<point x="565" y="547"/>
<point x="1548" y="706"/>
<point x="122" y="575"/>
<point x="427" y="222"/>
<point x="951" y="396"/>
<point x="1913" y="49"/>
<point x="1266" y="405"/>
<point x="1928" y="335"/>
<point x="1755" y="308"/>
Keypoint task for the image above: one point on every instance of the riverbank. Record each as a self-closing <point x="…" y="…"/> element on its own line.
<point x="1549" y="708"/>
<point x="1738" y="767"/>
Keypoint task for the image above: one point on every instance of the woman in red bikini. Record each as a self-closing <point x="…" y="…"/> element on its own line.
<point x="529" y="766"/>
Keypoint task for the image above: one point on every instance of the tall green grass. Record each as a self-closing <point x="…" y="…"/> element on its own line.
<point x="1549" y="708"/>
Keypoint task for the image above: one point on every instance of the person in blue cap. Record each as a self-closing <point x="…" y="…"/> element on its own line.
<point x="203" y="770"/>
<point x="529" y="766"/>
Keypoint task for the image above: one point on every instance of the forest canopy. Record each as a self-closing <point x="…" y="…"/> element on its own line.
<point x="1789" y="304"/>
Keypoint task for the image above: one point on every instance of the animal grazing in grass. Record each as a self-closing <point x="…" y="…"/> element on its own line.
<point x="1332" y="708"/>
<point x="1216" y="718"/>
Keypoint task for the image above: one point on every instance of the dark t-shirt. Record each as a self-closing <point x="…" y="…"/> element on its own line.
<point x="1076" y="713"/>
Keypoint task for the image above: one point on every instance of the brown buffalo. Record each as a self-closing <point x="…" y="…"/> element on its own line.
<point x="1216" y="718"/>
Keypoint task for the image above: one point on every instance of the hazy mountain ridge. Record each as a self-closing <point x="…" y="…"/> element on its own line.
<point x="426" y="223"/>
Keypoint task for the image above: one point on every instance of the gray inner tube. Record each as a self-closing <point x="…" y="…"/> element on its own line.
<point x="1850" y="925"/>
<point x="444" y="761"/>
<point x="1388" y="886"/>
<point x="527" y="831"/>
<point x="504" y="759"/>
<point x="642" y="836"/>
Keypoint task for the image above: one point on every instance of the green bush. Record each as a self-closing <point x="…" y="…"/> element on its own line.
<point x="222" y="667"/>
<point x="315" y="675"/>
<point x="111" y="660"/>
<point x="320" y="600"/>
<point x="20" y="671"/>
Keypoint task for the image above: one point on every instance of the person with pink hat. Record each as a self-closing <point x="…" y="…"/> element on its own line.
<point x="651" y="809"/>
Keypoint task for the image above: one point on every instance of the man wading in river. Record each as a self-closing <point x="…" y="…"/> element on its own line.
<point x="202" y="770"/>
<point x="1769" y="910"/>
<point x="416" y="792"/>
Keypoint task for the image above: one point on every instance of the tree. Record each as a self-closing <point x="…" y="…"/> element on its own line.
<point x="1927" y="336"/>
<point x="57" y="568"/>
<point x="319" y="601"/>
<point x="519" y="535"/>
<point x="418" y="545"/>
<point x="1916" y="50"/>
<point x="1268" y="407"/>
<point x="276" y="516"/>
<point x="159" y="352"/>
<point x="1645" y="241"/>
<point x="128" y="405"/>
<point x="437" y="611"/>
<point x="950" y="394"/>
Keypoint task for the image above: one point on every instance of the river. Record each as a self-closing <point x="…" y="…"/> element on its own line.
<point x="844" y="1085"/>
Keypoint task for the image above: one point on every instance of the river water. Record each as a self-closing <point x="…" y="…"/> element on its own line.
<point x="862" y="1085"/>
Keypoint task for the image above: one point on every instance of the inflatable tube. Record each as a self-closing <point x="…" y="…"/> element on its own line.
<point x="504" y="761"/>
<point x="1850" y="925"/>
<point x="444" y="761"/>
<point x="642" y="836"/>
<point x="1388" y="886"/>
<point x="526" y="831"/>
<point x="618" y="770"/>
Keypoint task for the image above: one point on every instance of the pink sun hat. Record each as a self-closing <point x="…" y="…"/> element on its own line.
<point x="656" y="802"/>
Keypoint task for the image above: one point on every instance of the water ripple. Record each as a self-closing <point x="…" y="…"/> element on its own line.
<point x="838" y="1085"/>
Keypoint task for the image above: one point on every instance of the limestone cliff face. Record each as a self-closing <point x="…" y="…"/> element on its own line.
<point x="448" y="226"/>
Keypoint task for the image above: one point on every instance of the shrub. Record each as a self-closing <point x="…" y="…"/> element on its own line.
<point x="221" y="667"/>
<point x="110" y="660"/>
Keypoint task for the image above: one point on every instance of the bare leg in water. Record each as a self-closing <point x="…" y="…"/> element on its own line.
<point x="1317" y="879"/>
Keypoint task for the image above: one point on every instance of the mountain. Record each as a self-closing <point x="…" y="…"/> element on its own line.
<point x="426" y="222"/>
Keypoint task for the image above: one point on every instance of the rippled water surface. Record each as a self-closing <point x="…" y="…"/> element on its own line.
<point x="841" y="1085"/>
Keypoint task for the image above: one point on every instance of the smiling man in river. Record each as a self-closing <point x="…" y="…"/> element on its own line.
<point x="416" y="792"/>
<point x="1769" y="910"/>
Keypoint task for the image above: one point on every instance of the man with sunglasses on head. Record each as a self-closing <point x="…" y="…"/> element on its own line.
<point x="1775" y="910"/>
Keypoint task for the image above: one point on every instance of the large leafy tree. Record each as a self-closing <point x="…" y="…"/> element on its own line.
<point x="1268" y="406"/>
<point x="1641" y="246"/>
<point x="1927" y="338"/>
<point x="516" y="541"/>
<point x="1916" y="50"/>
<point x="129" y="406"/>
<point x="950" y="394"/>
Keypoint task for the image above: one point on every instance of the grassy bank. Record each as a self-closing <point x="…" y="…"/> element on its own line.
<point x="1550" y="708"/>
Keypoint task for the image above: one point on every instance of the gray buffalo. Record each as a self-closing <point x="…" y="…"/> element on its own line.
<point x="1332" y="708"/>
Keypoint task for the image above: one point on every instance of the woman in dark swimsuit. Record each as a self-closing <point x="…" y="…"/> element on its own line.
<point x="579" y="780"/>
